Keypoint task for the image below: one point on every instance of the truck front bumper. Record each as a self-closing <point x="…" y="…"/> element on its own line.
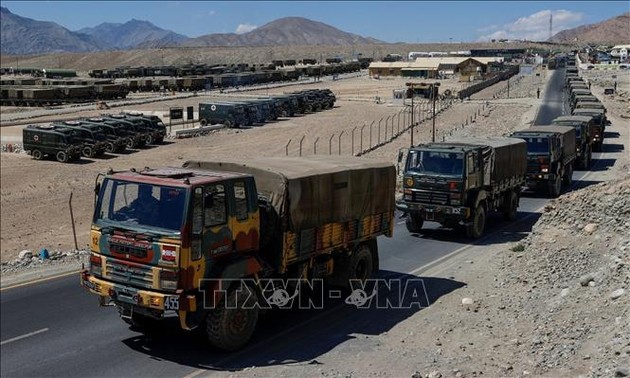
<point x="535" y="179"/>
<point x="435" y="213"/>
<point x="148" y="299"/>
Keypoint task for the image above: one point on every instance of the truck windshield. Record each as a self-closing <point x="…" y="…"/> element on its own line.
<point x="436" y="162"/>
<point x="537" y="145"/>
<point x="132" y="204"/>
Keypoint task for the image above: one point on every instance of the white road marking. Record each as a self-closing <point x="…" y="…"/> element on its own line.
<point x="24" y="336"/>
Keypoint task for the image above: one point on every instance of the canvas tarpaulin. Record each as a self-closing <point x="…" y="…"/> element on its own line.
<point x="310" y="192"/>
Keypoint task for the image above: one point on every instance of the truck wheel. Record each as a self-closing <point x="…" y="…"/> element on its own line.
<point x="110" y="148"/>
<point x="62" y="156"/>
<point x="130" y="143"/>
<point x="37" y="154"/>
<point x="203" y="122"/>
<point x="88" y="152"/>
<point x="510" y="211"/>
<point x="361" y="264"/>
<point x="555" y="187"/>
<point x="414" y="223"/>
<point x="475" y="230"/>
<point x="149" y="139"/>
<point x="228" y="124"/>
<point x="230" y="326"/>
<point x="568" y="175"/>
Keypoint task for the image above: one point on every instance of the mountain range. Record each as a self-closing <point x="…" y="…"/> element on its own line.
<point x="24" y="36"/>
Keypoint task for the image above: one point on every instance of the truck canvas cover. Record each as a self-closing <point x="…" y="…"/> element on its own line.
<point x="310" y="192"/>
<point x="510" y="156"/>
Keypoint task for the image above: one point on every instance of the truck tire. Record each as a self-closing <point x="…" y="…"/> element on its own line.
<point x="149" y="139"/>
<point x="228" y="124"/>
<point x="37" y="155"/>
<point x="361" y="264"/>
<point x="87" y="152"/>
<point x="110" y="148"/>
<point x="478" y="224"/>
<point x="510" y="211"/>
<point x="203" y="122"/>
<point x="414" y="223"/>
<point x="62" y="156"/>
<point x="555" y="187"/>
<point x="230" y="326"/>
<point x="130" y="143"/>
<point x="568" y="175"/>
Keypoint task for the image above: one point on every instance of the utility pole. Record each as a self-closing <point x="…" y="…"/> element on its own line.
<point x="433" y="112"/>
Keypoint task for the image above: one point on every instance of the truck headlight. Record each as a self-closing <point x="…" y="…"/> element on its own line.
<point x="544" y="170"/>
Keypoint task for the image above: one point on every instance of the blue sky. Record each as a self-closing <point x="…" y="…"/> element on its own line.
<point x="392" y="21"/>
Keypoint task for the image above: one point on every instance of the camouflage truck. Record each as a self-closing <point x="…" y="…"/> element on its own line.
<point x="42" y="141"/>
<point x="550" y="157"/>
<point x="583" y="126"/>
<point x="456" y="183"/>
<point x="214" y="229"/>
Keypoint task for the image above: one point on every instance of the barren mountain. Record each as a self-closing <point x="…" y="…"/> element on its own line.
<point x="614" y="30"/>
<point x="21" y="35"/>
<point x="284" y="31"/>
<point x="133" y="34"/>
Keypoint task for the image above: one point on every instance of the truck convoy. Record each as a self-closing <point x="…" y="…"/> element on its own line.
<point x="456" y="183"/>
<point x="191" y="240"/>
<point x="550" y="157"/>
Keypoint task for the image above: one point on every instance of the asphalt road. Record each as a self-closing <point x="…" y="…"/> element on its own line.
<point x="57" y="329"/>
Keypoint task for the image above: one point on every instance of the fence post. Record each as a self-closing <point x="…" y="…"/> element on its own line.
<point x="339" y="141"/>
<point x="398" y="121"/>
<point x="286" y="148"/>
<point x="301" y="140"/>
<point x="371" y="124"/>
<point x="353" y="130"/>
<point x="315" y="146"/>
<point x="361" y="141"/>
<point x="330" y="144"/>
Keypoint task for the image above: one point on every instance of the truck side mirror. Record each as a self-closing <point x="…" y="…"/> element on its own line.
<point x="400" y="156"/>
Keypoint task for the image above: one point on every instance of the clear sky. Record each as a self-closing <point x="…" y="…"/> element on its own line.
<point x="389" y="21"/>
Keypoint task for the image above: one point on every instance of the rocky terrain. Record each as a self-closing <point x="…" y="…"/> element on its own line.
<point x="614" y="30"/>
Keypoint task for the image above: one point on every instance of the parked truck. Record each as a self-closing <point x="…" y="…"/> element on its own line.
<point x="41" y="141"/>
<point x="228" y="114"/>
<point x="238" y="222"/>
<point x="583" y="126"/>
<point x="94" y="142"/>
<point x="550" y="157"/>
<point x="456" y="183"/>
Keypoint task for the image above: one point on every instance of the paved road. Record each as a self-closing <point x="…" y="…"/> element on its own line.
<point x="57" y="329"/>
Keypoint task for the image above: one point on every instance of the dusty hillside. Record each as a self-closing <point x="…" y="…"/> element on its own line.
<point x="614" y="30"/>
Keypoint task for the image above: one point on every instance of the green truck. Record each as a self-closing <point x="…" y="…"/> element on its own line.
<point x="550" y="157"/>
<point x="458" y="182"/>
<point x="583" y="126"/>
<point x="57" y="142"/>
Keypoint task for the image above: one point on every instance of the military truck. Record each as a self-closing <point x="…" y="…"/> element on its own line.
<point x="456" y="183"/>
<point x="550" y="157"/>
<point x="152" y="135"/>
<point x="116" y="141"/>
<point x="288" y="105"/>
<point x="599" y="124"/>
<point x="220" y="228"/>
<point x="583" y="126"/>
<point x="578" y="92"/>
<point x="42" y="141"/>
<point x="134" y="137"/>
<point x="590" y="105"/>
<point x="228" y="114"/>
<point x="94" y="142"/>
<point x="152" y="122"/>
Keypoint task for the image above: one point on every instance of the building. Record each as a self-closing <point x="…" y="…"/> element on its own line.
<point x="432" y="67"/>
<point x="620" y="52"/>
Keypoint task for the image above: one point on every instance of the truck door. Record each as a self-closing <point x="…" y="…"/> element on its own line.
<point x="472" y="171"/>
<point x="211" y="233"/>
<point x="244" y="216"/>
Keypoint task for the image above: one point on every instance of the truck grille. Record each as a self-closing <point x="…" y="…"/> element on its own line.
<point x="126" y="249"/>
<point x="135" y="275"/>
<point x="439" y="198"/>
